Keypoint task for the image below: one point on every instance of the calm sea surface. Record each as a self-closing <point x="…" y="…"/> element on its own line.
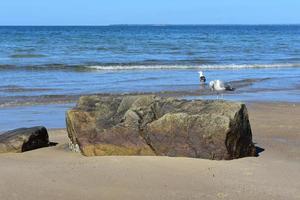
<point x="43" y="70"/>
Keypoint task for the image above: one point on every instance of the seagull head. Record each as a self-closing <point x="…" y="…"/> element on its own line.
<point x="201" y="73"/>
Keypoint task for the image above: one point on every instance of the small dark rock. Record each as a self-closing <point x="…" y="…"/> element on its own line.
<point x="24" y="139"/>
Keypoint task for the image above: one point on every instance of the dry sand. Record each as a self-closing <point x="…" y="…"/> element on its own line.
<point x="55" y="173"/>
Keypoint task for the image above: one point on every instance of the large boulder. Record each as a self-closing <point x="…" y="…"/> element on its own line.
<point x="24" y="139"/>
<point x="152" y="125"/>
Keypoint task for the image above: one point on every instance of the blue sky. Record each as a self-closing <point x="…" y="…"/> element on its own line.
<point x="104" y="12"/>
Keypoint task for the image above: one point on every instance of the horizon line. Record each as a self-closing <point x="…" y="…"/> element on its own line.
<point x="131" y="24"/>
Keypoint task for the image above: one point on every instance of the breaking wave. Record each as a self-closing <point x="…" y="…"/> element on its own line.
<point x="115" y="67"/>
<point x="214" y="66"/>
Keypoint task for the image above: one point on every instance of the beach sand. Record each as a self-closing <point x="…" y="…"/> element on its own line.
<point x="56" y="173"/>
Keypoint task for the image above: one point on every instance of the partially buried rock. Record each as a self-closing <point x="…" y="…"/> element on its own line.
<point x="152" y="125"/>
<point x="24" y="139"/>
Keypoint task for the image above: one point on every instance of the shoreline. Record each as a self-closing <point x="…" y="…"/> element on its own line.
<point x="203" y="93"/>
<point x="275" y="128"/>
<point x="43" y="114"/>
<point x="272" y="175"/>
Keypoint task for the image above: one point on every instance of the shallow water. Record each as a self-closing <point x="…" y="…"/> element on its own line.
<point x="51" y="116"/>
<point x="30" y="87"/>
<point x="43" y="69"/>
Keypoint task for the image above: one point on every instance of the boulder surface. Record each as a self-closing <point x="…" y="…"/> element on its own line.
<point x="152" y="125"/>
<point x="24" y="139"/>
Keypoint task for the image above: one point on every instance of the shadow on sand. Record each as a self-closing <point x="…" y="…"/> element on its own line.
<point x="258" y="150"/>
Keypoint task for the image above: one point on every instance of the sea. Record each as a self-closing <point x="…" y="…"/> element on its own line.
<point x="45" y="69"/>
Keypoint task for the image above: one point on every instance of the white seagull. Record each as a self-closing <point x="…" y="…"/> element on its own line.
<point x="220" y="86"/>
<point x="202" y="77"/>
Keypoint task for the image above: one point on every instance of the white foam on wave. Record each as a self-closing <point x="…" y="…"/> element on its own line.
<point x="216" y="66"/>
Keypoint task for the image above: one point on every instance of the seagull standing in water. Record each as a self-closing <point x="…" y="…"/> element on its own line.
<point x="202" y="77"/>
<point x="220" y="86"/>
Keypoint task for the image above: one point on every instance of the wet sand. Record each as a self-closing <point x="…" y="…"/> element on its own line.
<point x="56" y="173"/>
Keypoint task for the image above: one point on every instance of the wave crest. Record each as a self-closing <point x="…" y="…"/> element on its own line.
<point x="113" y="67"/>
<point x="214" y="66"/>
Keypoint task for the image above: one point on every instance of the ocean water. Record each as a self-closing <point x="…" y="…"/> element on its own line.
<point x="44" y="70"/>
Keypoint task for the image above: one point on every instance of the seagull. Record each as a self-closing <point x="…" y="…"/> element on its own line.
<point x="202" y="77"/>
<point x="220" y="86"/>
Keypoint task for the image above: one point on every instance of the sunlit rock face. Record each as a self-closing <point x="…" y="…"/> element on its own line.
<point x="151" y="125"/>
